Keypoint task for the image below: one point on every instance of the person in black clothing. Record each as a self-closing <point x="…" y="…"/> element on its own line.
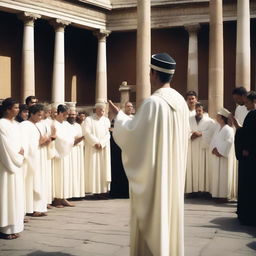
<point x="245" y="146"/>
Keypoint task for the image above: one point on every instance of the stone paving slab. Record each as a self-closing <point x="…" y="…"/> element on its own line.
<point x="101" y="228"/>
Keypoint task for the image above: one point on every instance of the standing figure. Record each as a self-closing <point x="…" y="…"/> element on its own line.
<point x="222" y="163"/>
<point x="198" y="169"/>
<point x="11" y="173"/>
<point x="154" y="152"/>
<point x="245" y="144"/>
<point x="97" y="151"/>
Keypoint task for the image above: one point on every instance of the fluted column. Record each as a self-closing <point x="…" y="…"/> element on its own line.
<point x="215" y="96"/>
<point x="192" y="72"/>
<point x="243" y="47"/>
<point x="143" y="88"/>
<point x="58" y="80"/>
<point x="101" y="72"/>
<point x="28" y="55"/>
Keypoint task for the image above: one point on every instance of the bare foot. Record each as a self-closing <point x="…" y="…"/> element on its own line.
<point x="65" y="202"/>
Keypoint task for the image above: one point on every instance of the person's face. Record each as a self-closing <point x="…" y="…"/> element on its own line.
<point x="37" y="117"/>
<point x="24" y="114"/>
<point x="32" y="102"/>
<point x="238" y="99"/>
<point x="72" y="117"/>
<point x="191" y="100"/>
<point x="13" y="112"/>
<point x="128" y="108"/>
<point x="81" y="117"/>
<point x="64" y="115"/>
<point x="249" y="104"/>
<point x="199" y="112"/>
<point x="99" y="111"/>
<point x="47" y="113"/>
<point x="53" y="113"/>
<point x="219" y="119"/>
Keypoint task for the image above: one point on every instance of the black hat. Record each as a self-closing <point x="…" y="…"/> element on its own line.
<point x="163" y="62"/>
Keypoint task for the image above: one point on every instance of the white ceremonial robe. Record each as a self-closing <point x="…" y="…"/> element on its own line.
<point x="154" y="153"/>
<point x="34" y="170"/>
<point x="240" y="114"/>
<point x="77" y="164"/>
<point x="46" y="162"/>
<point x="11" y="178"/>
<point x="61" y="164"/>
<point x="198" y="168"/>
<point x="222" y="167"/>
<point x="97" y="162"/>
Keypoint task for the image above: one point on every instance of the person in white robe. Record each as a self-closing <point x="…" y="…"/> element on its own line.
<point x="97" y="151"/>
<point x="222" y="160"/>
<point x="64" y="143"/>
<point x="154" y="152"/>
<point x="239" y="96"/>
<point x="198" y="169"/>
<point x="191" y="98"/>
<point x="35" y="164"/>
<point x="11" y="172"/>
<point x="77" y="158"/>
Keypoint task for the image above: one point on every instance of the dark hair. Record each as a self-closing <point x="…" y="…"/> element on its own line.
<point x="251" y="96"/>
<point x="23" y="107"/>
<point x="199" y="105"/>
<point x="225" y="119"/>
<point x="239" y="91"/>
<point x="164" y="77"/>
<point x="35" y="109"/>
<point x="191" y="93"/>
<point x="62" y="108"/>
<point x="29" y="99"/>
<point x="7" y="103"/>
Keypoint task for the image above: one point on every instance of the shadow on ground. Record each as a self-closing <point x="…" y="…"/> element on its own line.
<point x="41" y="253"/>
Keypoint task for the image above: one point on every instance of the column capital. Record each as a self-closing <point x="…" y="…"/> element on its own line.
<point x="28" y="18"/>
<point x="59" y="24"/>
<point x="101" y="34"/>
<point x="192" y="28"/>
<point x="124" y="86"/>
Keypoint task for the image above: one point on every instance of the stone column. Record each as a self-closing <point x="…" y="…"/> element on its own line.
<point x="124" y="90"/>
<point x="143" y="88"/>
<point x="192" y="73"/>
<point x="58" y="80"/>
<point x="101" y="73"/>
<point x="215" y="93"/>
<point x="243" y="47"/>
<point x="28" y="58"/>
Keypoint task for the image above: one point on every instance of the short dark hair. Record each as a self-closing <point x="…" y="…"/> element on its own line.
<point x="225" y="119"/>
<point x="7" y="103"/>
<point x="62" y="108"/>
<point x="251" y="96"/>
<point x="191" y="93"/>
<point x="199" y="105"/>
<point x="239" y="91"/>
<point x="164" y="77"/>
<point x="35" y="108"/>
<point x="29" y="99"/>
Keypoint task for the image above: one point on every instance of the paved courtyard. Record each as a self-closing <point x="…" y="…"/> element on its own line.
<point x="101" y="228"/>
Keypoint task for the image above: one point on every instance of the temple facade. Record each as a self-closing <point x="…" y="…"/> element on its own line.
<point x="82" y="50"/>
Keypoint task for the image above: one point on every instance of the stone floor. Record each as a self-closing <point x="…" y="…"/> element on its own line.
<point x="101" y="228"/>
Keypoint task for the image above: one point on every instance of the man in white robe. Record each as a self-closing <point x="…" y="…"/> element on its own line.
<point x="61" y="164"/>
<point x="11" y="173"/>
<point x="222" y="163"/>
<point x="239" y="95"/>
<point x="191" y="98"/>
<point x="34" y="167"/>
<point x="198" y="169"/>
<point x="154" y="152"/>
<point x="77" y="158"/>
<point x="97" y="151"/>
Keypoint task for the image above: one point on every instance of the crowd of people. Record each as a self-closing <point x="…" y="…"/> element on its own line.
<point x="49" y="155"/>
<point x="221" y="154"/>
